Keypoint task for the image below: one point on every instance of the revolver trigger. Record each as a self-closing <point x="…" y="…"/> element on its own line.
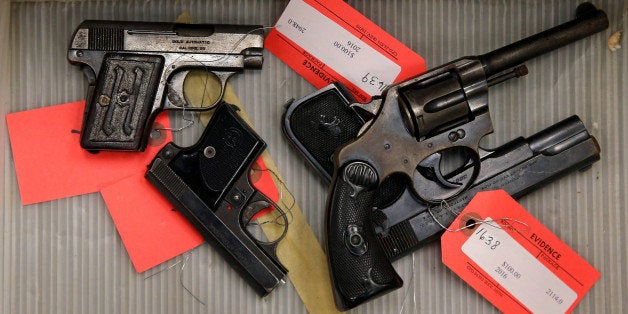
<point x="430" y="168"/>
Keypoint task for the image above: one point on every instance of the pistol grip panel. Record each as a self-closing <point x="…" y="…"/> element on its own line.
<point x="224" y="153"/>
<point x="359" y="267"/>
<point x="119" y="111"/>
<point x="320" y="123"/>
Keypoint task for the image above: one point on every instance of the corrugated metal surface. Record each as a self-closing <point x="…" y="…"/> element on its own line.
<point x="65" y="255"/>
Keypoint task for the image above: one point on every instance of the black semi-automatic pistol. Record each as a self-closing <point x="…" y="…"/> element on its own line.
<point x="209" y="184"/>
<point x="137" y="69"/>
<point x="390" y="190"/>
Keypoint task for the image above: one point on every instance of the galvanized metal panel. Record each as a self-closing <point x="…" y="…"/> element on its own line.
<point x="66" y="256"/>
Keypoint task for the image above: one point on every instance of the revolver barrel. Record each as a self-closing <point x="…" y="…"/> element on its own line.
<point x="589" y="20"/>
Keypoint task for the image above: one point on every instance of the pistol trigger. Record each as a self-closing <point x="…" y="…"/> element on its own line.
<point x="174" y="92"/>
<point x="89" y="74"/>
<point x="252" y="209"/>
<point x="175" y="100"/>
<point x="430" y="167"/>
<point x="261" y="211"/>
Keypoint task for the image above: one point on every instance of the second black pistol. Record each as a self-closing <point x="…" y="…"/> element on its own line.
<point x="209" y="184"/>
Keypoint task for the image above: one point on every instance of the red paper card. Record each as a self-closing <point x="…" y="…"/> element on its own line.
<point x="513" y="260"/>
<point x="152" y="230"/>
<point x="49" y="162"/>
<point x="329" y="41"/>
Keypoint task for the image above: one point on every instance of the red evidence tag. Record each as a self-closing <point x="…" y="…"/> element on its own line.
<point x="329" y="41"/>
<point x="50" y="163"/>
<point x="514" y="261"/>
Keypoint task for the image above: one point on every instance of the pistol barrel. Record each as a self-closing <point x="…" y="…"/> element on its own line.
<point x="589" y="20"/>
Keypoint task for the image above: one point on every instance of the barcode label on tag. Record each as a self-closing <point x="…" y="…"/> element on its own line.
<point x="329" y="41"/>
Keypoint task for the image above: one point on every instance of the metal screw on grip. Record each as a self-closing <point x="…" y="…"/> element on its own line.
<point x="355" y="241"/>
<point x="209" y="152"/>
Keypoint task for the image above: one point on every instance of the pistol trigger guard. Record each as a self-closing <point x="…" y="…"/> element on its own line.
<point x="284" y="218"/>
<point x="259" y="203"/>
<point x="224" y="77"/>
<point x="89" y="74"/>
<point x="255" y="207"/>
<point x="177" y="82"/>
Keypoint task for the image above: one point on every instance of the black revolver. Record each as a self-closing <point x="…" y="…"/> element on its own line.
<point x="209" y="184"/>
<point x="401" y="221"/>
<point x="421" y="121"/>
<point x="137" y="69"/>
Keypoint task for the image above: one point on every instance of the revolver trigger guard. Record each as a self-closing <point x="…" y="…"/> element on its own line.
<point x="432" y="165"/>
<point x="437" y="188"/>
